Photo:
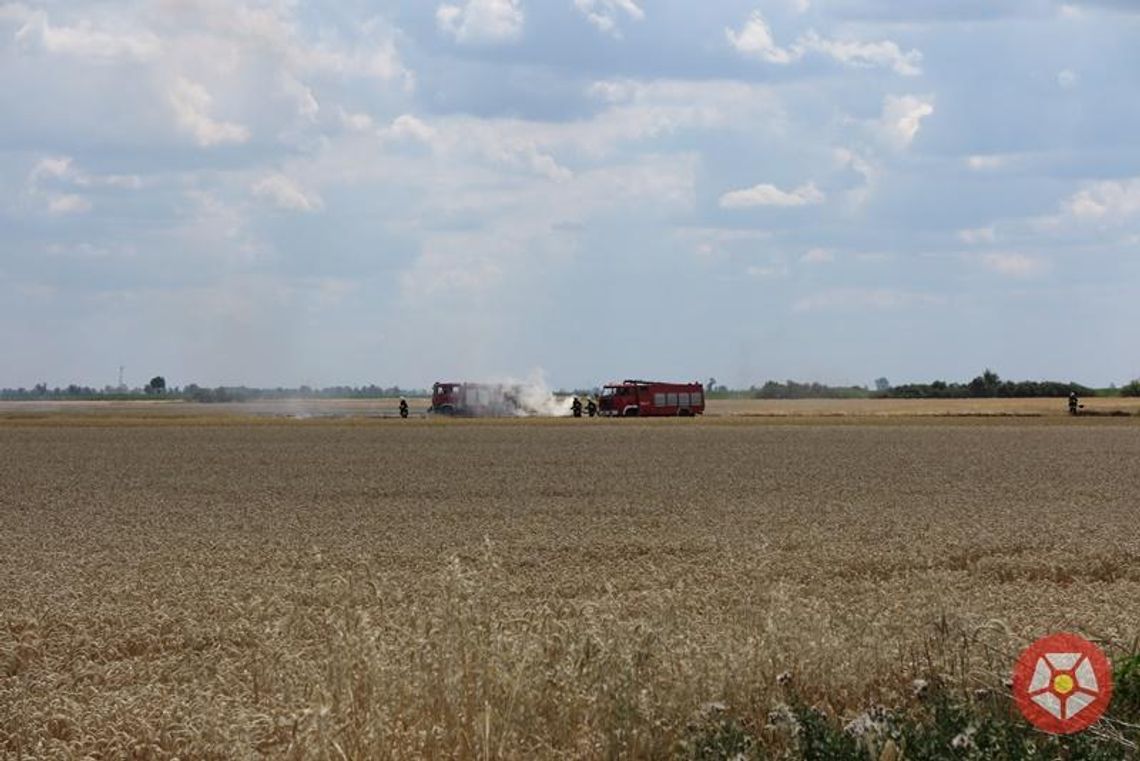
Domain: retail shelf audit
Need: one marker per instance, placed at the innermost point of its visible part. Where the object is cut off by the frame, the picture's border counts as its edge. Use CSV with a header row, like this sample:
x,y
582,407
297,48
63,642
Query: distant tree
x,y
882,384
711,386
986,384
157,385
1131,389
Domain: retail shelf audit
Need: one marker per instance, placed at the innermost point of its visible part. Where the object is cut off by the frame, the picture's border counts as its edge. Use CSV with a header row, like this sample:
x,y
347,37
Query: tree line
x,y
192,392
986,385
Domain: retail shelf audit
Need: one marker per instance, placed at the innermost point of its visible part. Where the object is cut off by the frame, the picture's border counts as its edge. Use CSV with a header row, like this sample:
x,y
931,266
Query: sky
x,y
279,192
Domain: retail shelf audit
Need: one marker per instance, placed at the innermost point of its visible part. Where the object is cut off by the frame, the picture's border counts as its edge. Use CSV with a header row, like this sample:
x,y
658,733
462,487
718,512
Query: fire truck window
x,y
659,400
696,398
672,401
683,398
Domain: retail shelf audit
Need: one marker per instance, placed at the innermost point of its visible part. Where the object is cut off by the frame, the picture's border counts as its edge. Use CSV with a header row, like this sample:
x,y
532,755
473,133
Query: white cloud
x,y
641,110
408,127
634,112
356,122
1108,201
544,164
979,163
53,179
605,14
902,117
767,271
849,159
978,235
770,195
120,181
17,12
799,6
191,104
1012,264
1067,79
239,38
285,193
375,59
755,41
614,90
817,256
854,299
52,166
86,41
63,168
451,271
864,54
302,95
519,217
717,243
524,154
481,21
68,203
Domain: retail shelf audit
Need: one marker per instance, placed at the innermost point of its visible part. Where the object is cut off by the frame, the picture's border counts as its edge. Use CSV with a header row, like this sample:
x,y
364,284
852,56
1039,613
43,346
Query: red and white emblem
x,y
1062,683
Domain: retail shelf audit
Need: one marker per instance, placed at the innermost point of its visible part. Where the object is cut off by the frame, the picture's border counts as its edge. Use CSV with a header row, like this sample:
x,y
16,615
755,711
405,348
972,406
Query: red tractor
x,y
638,398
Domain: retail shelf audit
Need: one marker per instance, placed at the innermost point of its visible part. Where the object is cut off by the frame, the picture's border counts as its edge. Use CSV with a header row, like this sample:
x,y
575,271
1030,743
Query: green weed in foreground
x,y
941,722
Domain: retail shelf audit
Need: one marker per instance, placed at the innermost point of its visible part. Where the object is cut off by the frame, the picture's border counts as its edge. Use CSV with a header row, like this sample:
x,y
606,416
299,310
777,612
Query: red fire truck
x,y
651,398
476,400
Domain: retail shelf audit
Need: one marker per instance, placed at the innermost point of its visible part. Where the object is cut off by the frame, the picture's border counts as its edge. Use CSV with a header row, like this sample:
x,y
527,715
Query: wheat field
x,y
238,587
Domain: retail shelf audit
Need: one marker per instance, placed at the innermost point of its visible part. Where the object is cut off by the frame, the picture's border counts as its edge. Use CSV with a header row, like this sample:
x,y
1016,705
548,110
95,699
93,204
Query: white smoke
x,y
537,400
510,397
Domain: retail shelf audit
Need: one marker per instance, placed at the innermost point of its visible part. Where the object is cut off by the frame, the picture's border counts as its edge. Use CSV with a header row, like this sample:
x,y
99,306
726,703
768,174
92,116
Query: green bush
x,y
1126,689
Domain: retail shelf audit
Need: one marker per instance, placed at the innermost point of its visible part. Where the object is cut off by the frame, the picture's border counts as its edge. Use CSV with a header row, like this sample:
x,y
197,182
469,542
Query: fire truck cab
x,y
445,398
638,398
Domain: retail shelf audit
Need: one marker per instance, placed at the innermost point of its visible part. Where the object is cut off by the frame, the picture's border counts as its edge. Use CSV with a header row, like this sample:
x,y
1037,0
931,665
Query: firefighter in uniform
x,y
576,407
403,407
1073,402
591,407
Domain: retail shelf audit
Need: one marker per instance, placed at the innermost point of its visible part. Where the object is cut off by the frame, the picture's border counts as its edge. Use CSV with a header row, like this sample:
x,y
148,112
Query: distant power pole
x,y
121,386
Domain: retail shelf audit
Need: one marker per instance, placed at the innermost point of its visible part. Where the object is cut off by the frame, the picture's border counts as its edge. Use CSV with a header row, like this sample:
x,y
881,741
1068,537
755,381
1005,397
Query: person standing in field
x,y
1073,402
403,407
576,407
